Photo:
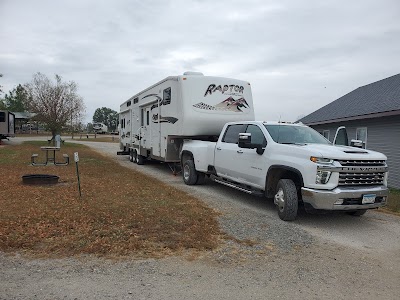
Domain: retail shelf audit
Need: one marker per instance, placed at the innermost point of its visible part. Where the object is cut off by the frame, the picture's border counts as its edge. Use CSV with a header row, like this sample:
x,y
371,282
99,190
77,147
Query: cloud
x,y
298,56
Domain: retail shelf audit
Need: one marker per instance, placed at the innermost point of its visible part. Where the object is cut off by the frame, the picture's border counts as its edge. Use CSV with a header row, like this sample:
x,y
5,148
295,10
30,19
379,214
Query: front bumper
x,y
352,197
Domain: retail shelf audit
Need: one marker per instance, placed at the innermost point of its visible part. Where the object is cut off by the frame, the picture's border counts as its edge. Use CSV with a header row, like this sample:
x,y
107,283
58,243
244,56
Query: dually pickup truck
x,y
291,163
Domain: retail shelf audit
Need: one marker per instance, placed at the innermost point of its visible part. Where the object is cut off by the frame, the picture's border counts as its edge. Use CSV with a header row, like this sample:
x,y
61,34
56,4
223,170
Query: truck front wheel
x,y
286,200
189,172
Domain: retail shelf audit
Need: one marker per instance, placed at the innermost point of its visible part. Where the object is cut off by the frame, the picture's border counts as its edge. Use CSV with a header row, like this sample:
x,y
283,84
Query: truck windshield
x,y
289,134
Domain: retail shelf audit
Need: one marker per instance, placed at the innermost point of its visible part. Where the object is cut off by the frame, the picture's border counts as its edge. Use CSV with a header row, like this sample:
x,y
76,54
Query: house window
x,y
232,134
325,133
2,116
167,96
361,134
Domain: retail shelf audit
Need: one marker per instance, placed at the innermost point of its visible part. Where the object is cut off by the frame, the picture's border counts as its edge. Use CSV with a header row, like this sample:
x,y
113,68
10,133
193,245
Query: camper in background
x,y
7,124
100,128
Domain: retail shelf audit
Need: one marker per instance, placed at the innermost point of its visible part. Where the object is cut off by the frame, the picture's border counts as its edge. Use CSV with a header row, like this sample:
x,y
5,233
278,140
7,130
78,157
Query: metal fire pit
x,y
39,179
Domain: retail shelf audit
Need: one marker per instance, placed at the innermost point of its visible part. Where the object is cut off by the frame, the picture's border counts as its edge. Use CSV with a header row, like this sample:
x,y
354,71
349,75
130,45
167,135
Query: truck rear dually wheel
x,y
189,172
286,200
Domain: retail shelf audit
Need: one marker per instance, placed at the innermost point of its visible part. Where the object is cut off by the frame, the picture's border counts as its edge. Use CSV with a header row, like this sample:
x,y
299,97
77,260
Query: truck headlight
x,y
321,160
322,177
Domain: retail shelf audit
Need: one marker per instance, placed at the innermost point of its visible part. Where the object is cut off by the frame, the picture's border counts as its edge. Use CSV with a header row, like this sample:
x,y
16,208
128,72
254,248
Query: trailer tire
x,y
134,155
140,159
131,158
189,172
286,200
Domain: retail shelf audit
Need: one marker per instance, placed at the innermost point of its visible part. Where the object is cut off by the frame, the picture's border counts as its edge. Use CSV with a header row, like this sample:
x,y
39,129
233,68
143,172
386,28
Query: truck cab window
x,y
232,133
257,136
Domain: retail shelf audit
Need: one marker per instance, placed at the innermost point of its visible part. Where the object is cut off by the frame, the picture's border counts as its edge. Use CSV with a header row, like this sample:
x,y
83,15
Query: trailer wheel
x,y
140,159
286,200
131,158
134,155
189,172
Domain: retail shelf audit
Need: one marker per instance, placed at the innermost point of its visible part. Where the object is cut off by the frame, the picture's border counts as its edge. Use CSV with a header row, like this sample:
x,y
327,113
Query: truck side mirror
x,y
245,141
357,144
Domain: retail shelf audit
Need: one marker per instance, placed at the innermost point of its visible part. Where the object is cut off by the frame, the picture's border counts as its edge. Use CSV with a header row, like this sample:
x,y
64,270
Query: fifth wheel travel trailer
x,y
7,124
155,121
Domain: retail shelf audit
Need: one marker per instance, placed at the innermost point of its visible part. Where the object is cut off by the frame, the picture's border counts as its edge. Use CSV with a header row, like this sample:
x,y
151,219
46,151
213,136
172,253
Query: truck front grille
x,y
361,177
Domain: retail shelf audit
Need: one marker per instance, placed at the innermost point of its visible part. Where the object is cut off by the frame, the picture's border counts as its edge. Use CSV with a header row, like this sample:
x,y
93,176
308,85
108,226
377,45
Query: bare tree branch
x,y
56,104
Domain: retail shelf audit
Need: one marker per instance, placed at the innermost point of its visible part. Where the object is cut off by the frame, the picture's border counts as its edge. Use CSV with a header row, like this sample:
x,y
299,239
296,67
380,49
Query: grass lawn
x,y
121,212
394,201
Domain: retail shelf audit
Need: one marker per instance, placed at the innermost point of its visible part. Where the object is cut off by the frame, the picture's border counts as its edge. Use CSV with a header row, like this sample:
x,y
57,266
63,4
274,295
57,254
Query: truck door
x,y
226,152
252,166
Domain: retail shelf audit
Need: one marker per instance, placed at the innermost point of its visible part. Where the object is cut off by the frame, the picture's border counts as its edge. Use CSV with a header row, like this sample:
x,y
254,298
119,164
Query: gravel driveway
x,y
315,257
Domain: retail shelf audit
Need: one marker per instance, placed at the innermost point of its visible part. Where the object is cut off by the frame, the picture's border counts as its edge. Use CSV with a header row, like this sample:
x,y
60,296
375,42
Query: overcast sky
x,y
297,55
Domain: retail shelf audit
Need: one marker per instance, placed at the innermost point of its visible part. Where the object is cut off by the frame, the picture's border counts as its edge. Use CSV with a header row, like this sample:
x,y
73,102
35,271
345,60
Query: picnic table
x,y
50,157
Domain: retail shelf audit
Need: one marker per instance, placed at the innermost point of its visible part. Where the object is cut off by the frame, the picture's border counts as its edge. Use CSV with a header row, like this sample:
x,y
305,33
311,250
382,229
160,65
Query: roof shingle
x,y
378,97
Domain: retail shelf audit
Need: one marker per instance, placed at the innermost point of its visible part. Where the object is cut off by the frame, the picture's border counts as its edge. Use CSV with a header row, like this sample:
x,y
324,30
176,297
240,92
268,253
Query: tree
x,y
16,99
1,87
106,116
56,104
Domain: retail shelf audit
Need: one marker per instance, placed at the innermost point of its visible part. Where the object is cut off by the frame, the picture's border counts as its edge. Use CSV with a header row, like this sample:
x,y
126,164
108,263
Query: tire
x,y
134,155
357,212
140,159
189,172
131,158
286,200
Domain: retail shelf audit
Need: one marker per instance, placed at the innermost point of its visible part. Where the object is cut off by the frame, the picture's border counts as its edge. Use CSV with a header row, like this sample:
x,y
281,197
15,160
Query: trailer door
x,y
145,141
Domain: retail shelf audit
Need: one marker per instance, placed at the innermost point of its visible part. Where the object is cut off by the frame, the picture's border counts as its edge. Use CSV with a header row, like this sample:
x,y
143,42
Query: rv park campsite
x,y
138,232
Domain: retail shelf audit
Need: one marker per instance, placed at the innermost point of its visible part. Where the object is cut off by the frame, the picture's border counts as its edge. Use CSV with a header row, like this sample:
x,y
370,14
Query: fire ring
x,y
39,179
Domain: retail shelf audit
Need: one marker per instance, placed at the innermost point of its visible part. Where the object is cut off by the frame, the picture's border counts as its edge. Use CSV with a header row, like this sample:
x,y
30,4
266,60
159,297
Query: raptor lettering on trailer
x,y
224,89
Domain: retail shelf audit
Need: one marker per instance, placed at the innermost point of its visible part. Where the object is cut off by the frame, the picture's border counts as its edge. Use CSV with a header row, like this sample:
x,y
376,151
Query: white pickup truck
x,y
291,163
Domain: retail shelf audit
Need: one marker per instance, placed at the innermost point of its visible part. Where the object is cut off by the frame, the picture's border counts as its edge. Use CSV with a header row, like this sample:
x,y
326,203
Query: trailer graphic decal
x,y
229,104
171,120
224,89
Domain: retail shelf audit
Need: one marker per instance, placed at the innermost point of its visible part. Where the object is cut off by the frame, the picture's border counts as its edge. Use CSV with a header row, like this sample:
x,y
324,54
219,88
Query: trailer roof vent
x,y
193,73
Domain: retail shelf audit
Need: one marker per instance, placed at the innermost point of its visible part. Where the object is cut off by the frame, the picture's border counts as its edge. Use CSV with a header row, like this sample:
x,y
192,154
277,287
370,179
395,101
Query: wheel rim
x,y
280,199
186,172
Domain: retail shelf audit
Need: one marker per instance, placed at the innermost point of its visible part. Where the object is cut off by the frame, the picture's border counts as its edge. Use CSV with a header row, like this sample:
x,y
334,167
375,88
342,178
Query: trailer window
x,y
129,103
148,117
232,133
167,96
142,117
2,116
136,100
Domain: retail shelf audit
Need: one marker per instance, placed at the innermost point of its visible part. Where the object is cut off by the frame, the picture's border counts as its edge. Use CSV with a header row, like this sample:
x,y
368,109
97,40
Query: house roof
x,y
376,99
24,115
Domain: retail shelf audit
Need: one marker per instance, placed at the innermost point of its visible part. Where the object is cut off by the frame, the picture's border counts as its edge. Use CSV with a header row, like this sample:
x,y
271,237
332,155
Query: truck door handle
x,y
218,148
239,151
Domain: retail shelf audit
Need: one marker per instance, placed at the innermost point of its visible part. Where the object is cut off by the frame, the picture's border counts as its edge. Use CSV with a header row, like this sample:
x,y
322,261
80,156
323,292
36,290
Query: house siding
x,y
383,135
